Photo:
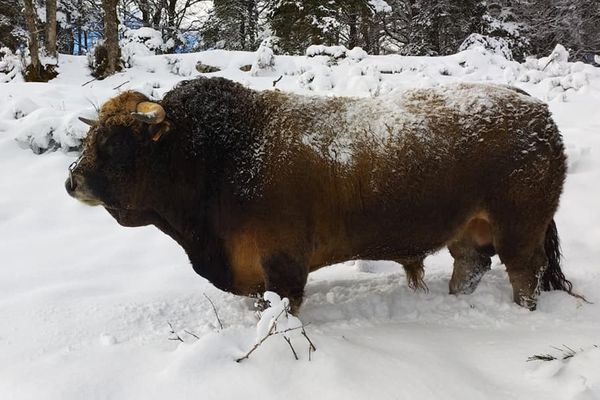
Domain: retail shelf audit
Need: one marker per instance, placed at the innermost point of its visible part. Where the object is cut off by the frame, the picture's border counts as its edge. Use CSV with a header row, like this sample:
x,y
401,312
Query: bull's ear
x,y
159,131
89,122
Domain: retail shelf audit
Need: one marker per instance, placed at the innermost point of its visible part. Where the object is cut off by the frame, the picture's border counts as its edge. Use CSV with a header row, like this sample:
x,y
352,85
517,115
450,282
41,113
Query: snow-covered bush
x,y
495,45
45,130
276,317
380,6
265,58
336,53
322,50
557,74
276,320
10,65
365,81
142,42
318,78
356,54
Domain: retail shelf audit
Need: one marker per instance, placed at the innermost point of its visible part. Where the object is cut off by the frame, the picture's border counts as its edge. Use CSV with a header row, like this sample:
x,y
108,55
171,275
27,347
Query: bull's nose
x,y
71,185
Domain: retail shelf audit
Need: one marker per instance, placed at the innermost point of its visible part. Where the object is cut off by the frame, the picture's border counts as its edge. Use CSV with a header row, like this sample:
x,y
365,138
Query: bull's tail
x,y
553,278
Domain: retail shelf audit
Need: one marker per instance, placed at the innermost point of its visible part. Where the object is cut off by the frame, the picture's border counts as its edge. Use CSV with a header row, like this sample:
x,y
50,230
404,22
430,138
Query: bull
x,y
261,188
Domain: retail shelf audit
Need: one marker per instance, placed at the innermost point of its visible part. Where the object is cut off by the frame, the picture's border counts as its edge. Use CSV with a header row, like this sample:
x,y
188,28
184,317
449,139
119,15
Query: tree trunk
x,y
353,31
33,40
79,40
251,30
111,37
51,27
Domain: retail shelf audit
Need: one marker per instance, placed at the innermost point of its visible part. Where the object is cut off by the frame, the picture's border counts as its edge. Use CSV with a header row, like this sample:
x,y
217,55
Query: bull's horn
x,y
89,122
149,112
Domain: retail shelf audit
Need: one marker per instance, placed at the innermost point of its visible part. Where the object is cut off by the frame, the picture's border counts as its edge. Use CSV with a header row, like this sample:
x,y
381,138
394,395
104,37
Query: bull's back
x,y
398,177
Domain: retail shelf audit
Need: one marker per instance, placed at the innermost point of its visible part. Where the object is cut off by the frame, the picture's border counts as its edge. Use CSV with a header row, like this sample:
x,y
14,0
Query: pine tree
x,y
233,25
13,32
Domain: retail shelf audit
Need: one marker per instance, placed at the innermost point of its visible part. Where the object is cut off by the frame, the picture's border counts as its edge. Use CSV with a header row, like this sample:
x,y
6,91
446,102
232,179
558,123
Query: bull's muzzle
x,y
77,188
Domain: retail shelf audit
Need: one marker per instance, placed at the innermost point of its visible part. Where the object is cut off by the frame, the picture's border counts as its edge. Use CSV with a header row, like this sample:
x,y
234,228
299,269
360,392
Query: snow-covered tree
x,y
13,32
232,24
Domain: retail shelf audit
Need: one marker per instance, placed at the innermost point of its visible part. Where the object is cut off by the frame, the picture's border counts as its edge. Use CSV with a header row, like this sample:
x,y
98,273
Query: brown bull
x,y
261,188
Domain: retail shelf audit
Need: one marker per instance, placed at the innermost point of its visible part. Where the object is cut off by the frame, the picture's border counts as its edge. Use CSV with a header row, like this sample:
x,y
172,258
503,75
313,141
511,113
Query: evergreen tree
x,y
13,33
232,24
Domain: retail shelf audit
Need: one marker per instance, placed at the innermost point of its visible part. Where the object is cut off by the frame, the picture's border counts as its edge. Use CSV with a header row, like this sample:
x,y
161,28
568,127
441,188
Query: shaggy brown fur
x,y
260,188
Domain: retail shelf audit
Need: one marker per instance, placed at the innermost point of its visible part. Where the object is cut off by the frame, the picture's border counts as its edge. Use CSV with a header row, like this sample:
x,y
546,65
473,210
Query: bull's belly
x,y
403,243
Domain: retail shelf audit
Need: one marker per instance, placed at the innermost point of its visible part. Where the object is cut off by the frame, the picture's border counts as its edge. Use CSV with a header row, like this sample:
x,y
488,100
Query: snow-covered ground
x,y
85,304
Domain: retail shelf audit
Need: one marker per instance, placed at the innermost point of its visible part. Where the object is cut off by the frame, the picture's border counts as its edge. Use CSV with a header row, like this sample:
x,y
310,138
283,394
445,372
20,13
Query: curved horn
x,y
89,122
149,112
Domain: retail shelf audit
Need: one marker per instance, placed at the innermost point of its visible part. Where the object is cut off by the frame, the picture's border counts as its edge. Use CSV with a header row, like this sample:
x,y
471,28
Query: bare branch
x,y
95,79
191,334
289,342
272,332
172,332
311,345
115,88
215,311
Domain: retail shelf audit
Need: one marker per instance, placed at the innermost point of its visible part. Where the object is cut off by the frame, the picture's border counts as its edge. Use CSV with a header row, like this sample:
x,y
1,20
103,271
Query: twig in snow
x,y
95,79
566,351
311,345
115,88
192,334
272,332
276,81
215,310
172,332
289,342
553,56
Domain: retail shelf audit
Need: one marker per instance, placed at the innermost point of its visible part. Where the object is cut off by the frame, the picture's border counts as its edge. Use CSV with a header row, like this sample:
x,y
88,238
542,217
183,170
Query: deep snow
x,y
85,304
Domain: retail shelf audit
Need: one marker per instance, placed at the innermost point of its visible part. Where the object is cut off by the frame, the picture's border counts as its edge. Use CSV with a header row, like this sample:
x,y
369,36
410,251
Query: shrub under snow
x,y
142,42
496,45
265,58
10,66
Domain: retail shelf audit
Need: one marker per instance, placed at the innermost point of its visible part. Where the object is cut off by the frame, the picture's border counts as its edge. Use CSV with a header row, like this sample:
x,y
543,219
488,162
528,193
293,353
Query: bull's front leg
x,y
286,275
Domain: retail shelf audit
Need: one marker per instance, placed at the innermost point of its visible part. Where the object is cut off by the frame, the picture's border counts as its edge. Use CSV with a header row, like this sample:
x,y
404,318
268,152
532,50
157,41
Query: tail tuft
x,y
553,278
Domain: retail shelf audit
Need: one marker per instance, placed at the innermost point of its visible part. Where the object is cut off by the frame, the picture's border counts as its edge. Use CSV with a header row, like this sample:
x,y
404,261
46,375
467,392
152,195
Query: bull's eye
x,y
117,148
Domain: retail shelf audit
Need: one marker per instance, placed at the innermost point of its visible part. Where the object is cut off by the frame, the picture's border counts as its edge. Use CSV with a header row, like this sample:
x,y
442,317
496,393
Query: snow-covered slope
x,y
85,304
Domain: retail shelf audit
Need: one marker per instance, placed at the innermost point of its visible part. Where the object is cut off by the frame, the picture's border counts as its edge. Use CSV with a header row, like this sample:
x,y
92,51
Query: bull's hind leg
x,y
521,249
525,269
471,262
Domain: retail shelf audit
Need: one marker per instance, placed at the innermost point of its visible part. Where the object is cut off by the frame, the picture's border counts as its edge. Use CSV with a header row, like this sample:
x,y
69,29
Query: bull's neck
x,y
188,221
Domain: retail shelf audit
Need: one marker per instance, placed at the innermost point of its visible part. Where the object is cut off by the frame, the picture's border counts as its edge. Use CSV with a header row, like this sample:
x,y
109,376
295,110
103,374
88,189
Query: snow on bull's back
x,y
475,99
335,125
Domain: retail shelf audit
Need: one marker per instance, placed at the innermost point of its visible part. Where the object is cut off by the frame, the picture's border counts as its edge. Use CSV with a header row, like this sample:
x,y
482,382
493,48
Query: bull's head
x,y
115,169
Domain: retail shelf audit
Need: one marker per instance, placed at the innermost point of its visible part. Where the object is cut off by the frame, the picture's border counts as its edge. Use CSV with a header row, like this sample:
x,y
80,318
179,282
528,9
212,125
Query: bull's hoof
x,y
467,287
467,284
528,302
